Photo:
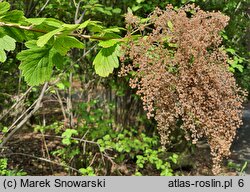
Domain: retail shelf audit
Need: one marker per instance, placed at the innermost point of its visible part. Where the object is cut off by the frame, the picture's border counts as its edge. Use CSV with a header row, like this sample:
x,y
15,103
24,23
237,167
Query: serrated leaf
x,y
14,16
7,43
108,43
4,7
64,43
84,24
2,56
106,60
45,24
94,26
42,40
36,65
18,34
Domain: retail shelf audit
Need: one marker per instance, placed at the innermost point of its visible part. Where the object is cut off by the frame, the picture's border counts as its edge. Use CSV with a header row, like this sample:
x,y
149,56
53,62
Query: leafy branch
x,y
30,28
48,41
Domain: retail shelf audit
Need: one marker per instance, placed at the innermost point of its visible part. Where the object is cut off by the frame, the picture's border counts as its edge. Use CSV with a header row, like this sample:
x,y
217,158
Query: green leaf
x,y
4,7
230,50
7,43
5,130
42,40
106,60
64,43
84,24
69,132
14,16
36,65
60,86
18,34
70,27
53,22
49,24
36,21
170,25
31,44
95,26
66,141
58,60
136,8
108,43
140,1
129,10
67,136
116,10
113,29
2,56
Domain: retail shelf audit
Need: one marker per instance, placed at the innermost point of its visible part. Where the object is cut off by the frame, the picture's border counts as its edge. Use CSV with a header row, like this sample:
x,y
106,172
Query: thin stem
x,y
47,2
61,104
15,104
19,126
43,159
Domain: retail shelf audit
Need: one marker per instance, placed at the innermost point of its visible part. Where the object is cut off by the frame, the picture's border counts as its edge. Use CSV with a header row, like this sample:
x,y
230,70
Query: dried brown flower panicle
x,y
181,73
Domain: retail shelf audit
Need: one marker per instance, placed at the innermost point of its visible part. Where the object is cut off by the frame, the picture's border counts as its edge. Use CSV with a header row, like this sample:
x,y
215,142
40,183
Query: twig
x,y
79,20
69,99
43,7
19,82
77,139
43,159
61,104
82,140
75,4
37,106
85,54
15,104
21,116
93,160
45,144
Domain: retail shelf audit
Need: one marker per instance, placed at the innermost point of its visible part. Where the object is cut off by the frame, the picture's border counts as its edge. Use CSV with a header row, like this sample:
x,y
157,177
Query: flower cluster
x,y
181,73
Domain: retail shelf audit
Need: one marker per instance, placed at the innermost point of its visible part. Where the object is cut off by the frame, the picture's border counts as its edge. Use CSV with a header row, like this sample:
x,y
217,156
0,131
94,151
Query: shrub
x,y
181,73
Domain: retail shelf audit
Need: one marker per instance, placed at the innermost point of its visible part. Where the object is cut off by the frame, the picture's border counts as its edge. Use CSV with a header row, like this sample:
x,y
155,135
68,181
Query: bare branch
x,y
61,104
43,159
15,104
37,106
79,20
43,7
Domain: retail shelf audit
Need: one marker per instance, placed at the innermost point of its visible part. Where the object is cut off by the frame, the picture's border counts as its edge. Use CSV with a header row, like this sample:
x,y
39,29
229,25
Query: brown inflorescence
x,y
181,73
